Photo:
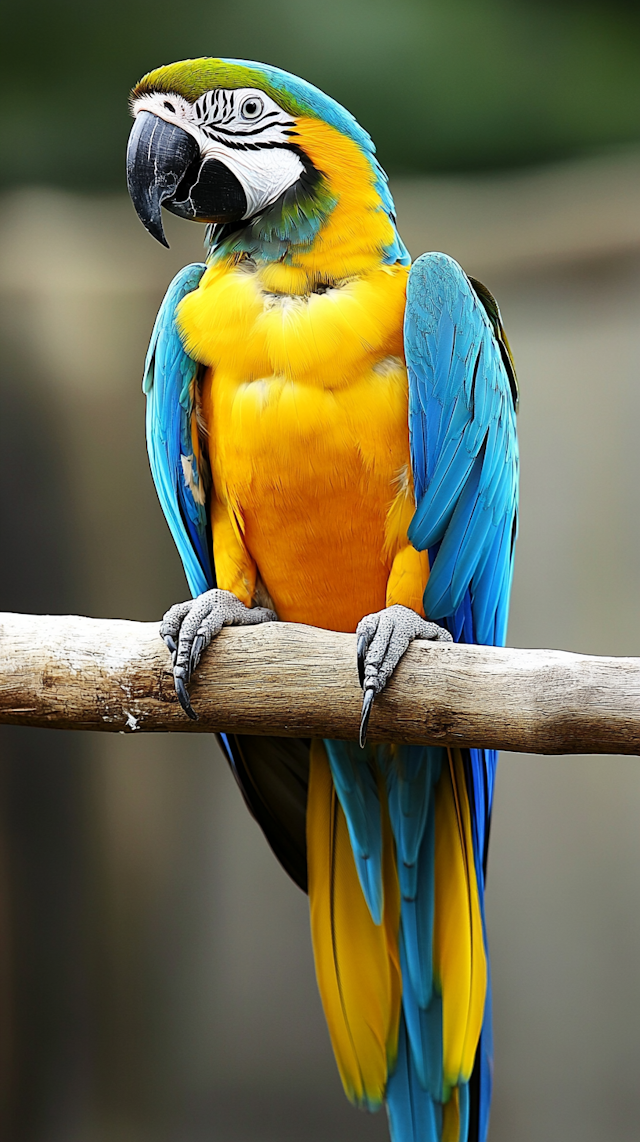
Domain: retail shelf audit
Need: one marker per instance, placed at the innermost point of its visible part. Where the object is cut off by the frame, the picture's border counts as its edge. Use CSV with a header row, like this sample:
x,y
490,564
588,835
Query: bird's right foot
x,y
188,628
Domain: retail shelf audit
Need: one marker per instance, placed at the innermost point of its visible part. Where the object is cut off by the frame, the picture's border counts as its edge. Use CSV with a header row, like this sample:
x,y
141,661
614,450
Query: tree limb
x,y
69,672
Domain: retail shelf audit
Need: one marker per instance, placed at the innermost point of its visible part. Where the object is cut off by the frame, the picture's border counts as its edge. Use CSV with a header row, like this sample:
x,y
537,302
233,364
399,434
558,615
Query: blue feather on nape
x,y
354,776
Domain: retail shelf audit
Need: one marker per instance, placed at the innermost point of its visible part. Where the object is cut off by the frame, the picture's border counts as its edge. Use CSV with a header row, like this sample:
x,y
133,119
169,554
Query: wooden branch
x,y
97,674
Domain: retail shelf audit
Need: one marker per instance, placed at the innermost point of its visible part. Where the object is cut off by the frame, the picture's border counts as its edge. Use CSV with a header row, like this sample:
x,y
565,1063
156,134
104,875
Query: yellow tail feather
x,y
451,1118
357,963
459,954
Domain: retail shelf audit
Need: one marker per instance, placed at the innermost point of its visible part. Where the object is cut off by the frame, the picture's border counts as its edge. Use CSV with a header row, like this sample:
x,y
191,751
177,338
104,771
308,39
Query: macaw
x,y
331,432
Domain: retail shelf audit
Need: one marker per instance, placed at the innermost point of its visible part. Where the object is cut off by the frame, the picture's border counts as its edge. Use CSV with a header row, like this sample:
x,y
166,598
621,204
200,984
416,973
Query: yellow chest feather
x,y
305,403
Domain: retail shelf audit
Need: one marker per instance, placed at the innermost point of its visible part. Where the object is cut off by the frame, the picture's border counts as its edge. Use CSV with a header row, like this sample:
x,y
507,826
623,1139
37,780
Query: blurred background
x,y
156,980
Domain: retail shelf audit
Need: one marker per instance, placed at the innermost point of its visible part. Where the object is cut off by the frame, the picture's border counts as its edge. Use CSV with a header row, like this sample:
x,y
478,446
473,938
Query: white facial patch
x,y
244,129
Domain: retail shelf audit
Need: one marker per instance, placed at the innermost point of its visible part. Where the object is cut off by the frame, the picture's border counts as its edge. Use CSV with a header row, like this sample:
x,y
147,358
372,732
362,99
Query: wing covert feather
x,y
464,451
169,383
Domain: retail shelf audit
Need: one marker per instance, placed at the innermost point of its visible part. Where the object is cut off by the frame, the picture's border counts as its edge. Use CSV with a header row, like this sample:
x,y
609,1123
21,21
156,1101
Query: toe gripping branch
x,y
188,628
182,675
369,692
383,638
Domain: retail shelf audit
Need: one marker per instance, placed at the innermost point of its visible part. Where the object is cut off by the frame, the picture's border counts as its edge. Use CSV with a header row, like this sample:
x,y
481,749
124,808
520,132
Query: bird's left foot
x,y
383,637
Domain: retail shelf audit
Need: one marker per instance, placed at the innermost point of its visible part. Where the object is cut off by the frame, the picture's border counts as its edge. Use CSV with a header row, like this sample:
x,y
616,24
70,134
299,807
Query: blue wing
x,y
464,457
464,451
169,384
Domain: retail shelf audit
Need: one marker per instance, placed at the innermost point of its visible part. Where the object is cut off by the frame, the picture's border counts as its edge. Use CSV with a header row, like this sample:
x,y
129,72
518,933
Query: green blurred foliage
x,y
440,84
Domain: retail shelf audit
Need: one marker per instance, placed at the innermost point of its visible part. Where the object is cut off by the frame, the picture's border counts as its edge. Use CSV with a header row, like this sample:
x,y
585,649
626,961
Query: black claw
x,y
184,699
367,703
197,647
361,653
169,643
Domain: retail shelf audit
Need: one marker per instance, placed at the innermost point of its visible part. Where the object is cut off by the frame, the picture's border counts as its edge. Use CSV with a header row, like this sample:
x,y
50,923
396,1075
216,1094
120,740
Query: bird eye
x,y
252,108
169,106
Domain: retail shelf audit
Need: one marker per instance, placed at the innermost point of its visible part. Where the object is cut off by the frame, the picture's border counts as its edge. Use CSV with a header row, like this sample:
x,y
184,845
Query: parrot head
x,y
260,155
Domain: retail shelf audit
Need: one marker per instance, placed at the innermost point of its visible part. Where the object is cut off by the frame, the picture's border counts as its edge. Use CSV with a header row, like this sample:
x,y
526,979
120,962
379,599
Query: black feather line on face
x,y
302,194
233,145
257,131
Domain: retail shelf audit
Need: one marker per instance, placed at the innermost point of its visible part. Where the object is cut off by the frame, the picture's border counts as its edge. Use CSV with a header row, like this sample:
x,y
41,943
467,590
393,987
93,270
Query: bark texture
x,y
69,672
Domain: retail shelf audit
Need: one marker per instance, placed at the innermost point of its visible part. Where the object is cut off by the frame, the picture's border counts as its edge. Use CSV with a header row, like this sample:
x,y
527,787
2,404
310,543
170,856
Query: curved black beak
x,y
158,155
165,167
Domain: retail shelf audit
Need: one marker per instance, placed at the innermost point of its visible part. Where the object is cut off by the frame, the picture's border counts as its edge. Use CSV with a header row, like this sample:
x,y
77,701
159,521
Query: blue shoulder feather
x,y
169,383
464,451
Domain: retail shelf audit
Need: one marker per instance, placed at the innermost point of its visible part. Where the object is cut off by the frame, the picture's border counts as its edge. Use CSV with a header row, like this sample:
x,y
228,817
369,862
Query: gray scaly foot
x,y
383,638
188,628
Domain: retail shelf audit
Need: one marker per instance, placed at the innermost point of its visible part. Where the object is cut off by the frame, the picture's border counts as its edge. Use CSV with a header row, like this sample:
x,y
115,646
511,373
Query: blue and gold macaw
x,y
331,432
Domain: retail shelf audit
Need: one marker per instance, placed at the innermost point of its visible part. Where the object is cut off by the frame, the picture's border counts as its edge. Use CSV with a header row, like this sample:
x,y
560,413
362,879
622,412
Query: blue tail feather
x,y
484,1058
410,778
355,781
416,1089
417,919
424,1031
413,1115
463,1109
